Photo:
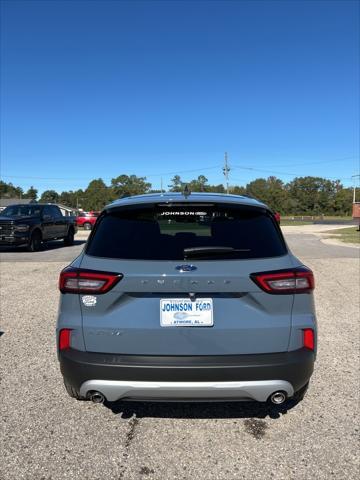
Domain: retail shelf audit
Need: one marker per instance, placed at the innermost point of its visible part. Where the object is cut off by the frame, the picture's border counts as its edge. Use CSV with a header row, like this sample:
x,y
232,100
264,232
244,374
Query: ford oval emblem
x,y
186,268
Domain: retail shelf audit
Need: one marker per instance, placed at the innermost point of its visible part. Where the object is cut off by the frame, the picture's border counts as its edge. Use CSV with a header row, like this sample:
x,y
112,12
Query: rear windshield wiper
x,y
193,252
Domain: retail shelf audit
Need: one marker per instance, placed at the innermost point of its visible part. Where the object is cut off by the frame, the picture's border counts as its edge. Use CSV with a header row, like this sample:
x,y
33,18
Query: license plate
x,y
182,312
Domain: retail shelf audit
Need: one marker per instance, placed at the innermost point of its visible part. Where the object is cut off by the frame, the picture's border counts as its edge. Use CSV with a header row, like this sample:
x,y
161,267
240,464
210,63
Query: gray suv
x,y
186,297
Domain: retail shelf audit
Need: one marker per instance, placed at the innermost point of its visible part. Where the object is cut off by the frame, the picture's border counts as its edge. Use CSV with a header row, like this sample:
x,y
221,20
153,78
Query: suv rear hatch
x,y
186,286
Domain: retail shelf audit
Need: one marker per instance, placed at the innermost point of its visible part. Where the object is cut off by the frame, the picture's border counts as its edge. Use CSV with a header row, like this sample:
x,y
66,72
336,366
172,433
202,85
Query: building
x,y
67,211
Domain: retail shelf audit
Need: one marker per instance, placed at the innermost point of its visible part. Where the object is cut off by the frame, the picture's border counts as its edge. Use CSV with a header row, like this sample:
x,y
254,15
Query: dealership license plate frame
x,y
201,313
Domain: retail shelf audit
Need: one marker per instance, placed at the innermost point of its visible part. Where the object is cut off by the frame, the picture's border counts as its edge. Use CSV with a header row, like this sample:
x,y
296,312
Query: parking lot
x,y
48,435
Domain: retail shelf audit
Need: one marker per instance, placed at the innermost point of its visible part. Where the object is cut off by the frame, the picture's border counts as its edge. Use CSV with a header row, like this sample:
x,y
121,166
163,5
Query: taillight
x,y
79,280
298,280
309,338
64,338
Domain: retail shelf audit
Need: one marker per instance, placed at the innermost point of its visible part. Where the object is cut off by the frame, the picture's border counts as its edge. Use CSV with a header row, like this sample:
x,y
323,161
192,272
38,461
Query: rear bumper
x,y
187,377
256,390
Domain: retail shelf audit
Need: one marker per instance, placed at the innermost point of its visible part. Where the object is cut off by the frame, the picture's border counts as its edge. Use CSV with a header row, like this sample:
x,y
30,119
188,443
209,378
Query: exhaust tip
x,y
278,398
96,397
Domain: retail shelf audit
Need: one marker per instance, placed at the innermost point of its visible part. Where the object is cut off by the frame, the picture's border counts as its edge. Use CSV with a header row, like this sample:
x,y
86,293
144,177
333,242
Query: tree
x,y
270,191
31,193
303,195
126,186
8,190
96,195
343,201
176,184
312,195
198,185
258,189
235,190
217,188
277,195
49,196
71,198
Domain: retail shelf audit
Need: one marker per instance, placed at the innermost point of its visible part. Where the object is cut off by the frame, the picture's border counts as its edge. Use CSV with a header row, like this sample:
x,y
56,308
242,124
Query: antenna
x,y
226,170
186,192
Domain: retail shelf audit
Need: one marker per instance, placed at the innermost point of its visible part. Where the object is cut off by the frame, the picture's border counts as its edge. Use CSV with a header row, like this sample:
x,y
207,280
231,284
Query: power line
x,y
88,178
285,173
315,163
226,170
182,171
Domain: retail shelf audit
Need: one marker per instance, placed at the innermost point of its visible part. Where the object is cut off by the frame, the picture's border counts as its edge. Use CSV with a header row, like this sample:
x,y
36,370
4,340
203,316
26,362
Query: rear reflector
x,y
298,280
78,280
64,338
309,338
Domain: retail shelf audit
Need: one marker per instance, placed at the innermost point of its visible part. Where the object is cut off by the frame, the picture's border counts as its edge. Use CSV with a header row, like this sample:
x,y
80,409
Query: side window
x,y
55,212
47,211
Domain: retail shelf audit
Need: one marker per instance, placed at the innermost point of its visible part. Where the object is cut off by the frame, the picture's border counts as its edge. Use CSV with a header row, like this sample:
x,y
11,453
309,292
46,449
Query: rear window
x,y
21,210
187,232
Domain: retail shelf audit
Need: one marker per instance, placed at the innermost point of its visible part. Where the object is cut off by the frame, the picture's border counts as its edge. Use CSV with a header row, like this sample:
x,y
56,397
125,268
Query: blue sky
x,y
99,88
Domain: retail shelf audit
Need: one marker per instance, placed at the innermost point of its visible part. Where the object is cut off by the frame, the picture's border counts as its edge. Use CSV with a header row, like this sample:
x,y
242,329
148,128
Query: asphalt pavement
x,y
47,435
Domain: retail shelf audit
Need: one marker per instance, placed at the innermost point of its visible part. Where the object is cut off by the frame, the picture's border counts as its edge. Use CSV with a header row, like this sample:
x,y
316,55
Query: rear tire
x,y
87,226
69,239
72,392
35,241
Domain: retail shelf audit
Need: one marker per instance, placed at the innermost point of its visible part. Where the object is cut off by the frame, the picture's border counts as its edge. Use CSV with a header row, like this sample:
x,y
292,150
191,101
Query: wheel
x,y
72,392
69,239
34,244
87,226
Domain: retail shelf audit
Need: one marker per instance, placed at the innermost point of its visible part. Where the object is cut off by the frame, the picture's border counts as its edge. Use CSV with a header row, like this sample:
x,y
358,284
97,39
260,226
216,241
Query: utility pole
x,y
226,170
161,185
354,193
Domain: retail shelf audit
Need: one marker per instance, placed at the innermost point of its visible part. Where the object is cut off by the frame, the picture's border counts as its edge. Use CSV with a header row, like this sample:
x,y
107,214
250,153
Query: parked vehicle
x,y
164,305
87,219
33,224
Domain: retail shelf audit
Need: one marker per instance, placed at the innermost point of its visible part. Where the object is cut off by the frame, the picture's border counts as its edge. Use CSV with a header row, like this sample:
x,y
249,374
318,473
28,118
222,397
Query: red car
x,y
87,219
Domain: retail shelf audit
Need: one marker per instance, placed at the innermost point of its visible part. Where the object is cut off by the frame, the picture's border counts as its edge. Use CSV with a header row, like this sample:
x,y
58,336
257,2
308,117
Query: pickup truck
x,y
33,224
87,219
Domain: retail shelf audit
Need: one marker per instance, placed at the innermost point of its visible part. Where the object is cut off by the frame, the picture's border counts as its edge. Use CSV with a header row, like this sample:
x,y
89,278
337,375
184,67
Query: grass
x,y
347,235
311,218
295,223
333,217
287,220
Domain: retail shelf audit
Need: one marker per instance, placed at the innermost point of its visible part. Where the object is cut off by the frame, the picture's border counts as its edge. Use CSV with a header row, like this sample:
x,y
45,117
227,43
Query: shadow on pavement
x,y
203,410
